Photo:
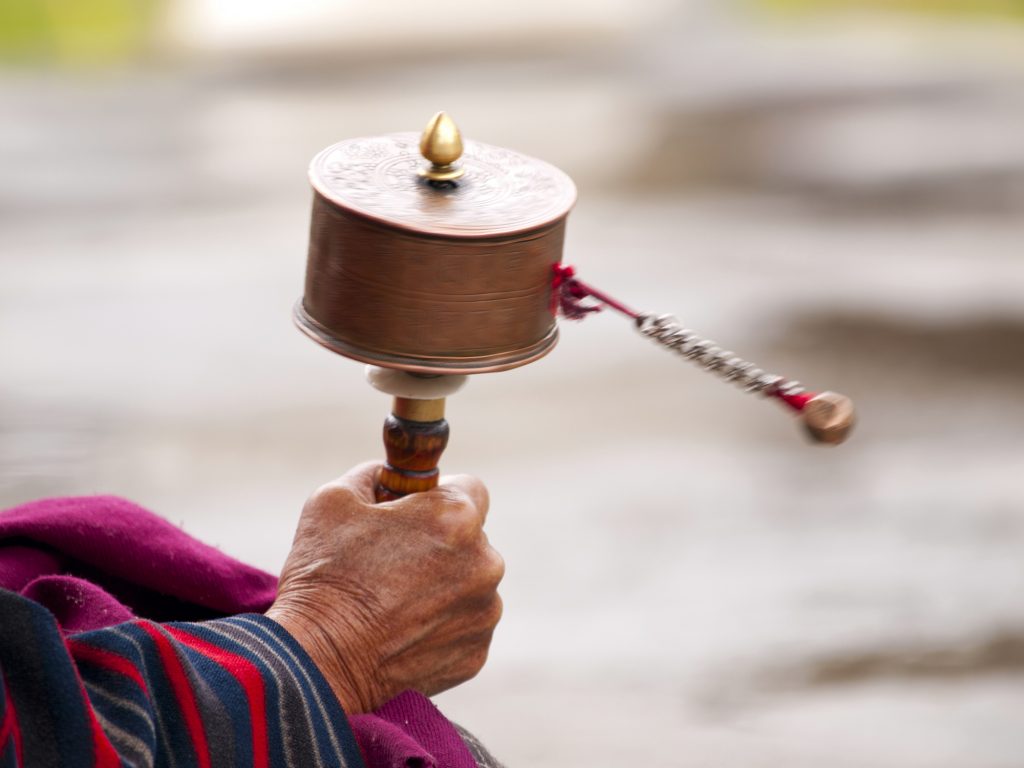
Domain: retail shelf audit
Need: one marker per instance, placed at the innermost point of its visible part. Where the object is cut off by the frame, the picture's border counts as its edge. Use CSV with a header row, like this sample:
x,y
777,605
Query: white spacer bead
x,y
397,383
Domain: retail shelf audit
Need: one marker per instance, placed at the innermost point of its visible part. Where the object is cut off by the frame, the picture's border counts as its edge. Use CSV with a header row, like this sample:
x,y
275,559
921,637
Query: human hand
x,y
392,596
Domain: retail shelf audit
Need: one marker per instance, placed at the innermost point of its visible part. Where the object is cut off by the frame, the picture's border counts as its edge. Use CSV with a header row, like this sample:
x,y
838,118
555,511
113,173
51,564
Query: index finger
x,y
361,480
471,486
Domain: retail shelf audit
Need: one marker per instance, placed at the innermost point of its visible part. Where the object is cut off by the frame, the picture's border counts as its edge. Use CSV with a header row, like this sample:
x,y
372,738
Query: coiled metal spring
x,y
670,333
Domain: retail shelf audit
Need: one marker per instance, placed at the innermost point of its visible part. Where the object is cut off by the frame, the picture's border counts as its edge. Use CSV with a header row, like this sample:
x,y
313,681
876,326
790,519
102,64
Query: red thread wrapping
x,y
796,402
568,292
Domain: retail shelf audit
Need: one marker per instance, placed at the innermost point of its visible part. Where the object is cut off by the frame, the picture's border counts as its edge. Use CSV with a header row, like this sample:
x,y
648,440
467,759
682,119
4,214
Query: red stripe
x,y
103,751
106,755
248,676
182,692
9,728
108,660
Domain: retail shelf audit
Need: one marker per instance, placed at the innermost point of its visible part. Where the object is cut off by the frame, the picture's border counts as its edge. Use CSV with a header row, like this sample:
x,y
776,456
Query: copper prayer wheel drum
x,y
433,266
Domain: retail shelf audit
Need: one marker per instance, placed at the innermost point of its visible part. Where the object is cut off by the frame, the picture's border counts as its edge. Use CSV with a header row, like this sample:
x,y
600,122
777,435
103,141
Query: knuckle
x,y
451,495
476,489
461,500
340,495
492,568
476,659
461,521
493,612
484,497
331,499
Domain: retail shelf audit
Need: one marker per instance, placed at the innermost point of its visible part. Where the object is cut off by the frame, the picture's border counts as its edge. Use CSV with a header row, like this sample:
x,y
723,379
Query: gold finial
x,y
829,417
441,144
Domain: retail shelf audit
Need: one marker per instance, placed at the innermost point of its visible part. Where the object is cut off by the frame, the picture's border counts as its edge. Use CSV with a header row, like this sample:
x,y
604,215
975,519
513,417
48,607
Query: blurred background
x,y
832,189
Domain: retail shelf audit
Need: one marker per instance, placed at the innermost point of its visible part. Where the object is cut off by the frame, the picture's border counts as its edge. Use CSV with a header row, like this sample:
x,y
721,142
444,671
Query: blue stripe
x,y
338,725
177,744
232,695
319,726
275,739
163,757
66,703
139,724
8,757
122,689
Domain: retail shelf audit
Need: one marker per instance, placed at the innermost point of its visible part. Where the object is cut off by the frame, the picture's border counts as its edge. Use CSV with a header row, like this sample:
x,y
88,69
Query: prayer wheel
x,y
430,259
433,263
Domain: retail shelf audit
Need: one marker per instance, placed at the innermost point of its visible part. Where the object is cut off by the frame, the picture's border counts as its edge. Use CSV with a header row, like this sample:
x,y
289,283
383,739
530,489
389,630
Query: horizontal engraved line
x,y
391,289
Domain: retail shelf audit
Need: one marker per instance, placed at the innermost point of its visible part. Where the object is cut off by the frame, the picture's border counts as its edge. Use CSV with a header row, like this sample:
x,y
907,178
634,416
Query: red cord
x,y
568,292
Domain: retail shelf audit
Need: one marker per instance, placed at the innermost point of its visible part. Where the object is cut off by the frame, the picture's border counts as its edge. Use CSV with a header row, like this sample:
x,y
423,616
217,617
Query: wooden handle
x,y
415,436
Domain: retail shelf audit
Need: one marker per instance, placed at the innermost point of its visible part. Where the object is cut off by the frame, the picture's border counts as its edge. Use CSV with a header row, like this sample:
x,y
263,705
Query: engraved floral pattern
x,y
501,191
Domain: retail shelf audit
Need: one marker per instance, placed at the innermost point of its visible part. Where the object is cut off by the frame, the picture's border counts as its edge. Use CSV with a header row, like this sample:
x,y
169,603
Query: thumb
x,y
361,480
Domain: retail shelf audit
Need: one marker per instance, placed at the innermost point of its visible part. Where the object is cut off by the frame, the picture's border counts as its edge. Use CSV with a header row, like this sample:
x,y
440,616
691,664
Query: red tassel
x,y
567,294
797,402
568,291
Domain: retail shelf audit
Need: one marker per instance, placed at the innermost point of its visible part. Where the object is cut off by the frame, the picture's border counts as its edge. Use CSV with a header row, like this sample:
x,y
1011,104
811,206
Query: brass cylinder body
x,y
433,277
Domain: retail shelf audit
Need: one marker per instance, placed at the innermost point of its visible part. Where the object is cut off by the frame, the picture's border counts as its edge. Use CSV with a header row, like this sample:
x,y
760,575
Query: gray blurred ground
x,y
689,583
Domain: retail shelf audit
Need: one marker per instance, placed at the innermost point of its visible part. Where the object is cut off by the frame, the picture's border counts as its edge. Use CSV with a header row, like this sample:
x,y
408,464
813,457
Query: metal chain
x,y
670,333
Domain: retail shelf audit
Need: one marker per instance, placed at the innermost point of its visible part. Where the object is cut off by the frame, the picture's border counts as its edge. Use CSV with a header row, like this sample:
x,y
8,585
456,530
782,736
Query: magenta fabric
x,y
99,560
96,561
391,735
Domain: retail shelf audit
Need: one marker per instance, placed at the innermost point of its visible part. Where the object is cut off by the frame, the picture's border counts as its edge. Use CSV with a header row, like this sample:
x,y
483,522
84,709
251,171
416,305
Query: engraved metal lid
x,y
470,189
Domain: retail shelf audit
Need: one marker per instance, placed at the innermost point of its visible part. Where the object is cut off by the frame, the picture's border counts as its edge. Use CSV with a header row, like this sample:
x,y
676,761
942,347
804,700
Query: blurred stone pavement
x,y
689,582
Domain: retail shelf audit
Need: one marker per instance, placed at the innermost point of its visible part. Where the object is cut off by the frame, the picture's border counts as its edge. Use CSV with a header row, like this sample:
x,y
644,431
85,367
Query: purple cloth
x,y
391,735
96,561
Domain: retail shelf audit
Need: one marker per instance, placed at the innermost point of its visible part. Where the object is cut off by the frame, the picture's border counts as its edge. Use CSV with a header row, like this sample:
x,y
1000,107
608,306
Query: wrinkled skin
x,y
393,596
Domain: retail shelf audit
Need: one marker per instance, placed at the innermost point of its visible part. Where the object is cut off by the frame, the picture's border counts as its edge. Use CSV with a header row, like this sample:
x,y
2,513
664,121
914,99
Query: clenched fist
x,y
393,596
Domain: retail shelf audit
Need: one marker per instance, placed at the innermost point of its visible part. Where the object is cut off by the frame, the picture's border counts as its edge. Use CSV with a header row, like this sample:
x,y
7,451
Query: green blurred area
x,y
75,31
980,8
84,32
